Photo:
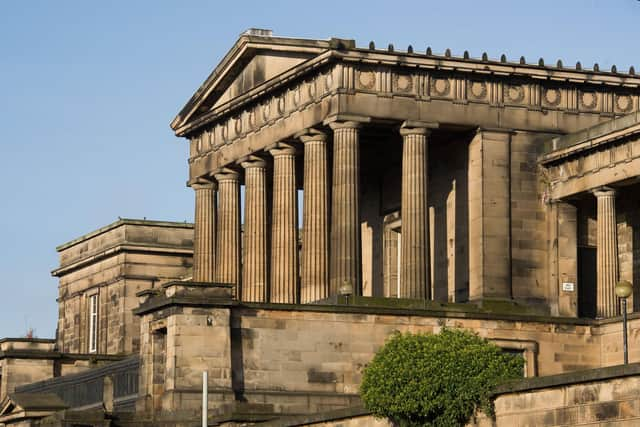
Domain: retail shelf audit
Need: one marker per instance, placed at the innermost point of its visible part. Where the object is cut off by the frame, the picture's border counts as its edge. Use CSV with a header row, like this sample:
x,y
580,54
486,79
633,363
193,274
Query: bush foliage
x,y
435,380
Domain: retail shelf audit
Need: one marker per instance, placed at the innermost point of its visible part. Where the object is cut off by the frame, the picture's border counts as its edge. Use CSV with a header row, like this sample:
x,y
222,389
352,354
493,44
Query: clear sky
x,y
88,88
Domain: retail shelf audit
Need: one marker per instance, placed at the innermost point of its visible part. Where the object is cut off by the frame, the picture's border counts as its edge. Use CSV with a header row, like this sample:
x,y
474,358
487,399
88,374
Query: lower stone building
x,y
435,191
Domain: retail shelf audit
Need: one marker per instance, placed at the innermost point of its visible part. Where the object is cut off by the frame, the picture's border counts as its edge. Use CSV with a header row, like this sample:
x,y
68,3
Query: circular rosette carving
x,y
281,104
624,103
207,136
552,96
311,89
440,87
224,131
403,83
514,93
266,111
328,80
252,118
367,79
237,125
295,96
589,100
477,89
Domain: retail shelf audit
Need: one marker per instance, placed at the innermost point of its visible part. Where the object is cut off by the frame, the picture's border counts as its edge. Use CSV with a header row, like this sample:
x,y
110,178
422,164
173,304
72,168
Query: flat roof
x,y
121,222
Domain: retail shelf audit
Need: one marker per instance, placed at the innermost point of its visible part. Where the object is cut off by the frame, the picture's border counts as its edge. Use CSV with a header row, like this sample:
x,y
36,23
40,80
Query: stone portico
x,y
418,175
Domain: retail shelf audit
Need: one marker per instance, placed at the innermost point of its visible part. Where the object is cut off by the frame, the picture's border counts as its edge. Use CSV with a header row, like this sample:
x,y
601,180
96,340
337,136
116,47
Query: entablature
x,y
600,156
391,86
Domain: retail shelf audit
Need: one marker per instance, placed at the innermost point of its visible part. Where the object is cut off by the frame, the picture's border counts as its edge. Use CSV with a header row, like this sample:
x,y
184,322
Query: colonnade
x,y
268,269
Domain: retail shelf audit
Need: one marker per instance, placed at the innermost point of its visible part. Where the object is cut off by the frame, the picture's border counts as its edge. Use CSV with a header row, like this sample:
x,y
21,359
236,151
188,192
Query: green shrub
x,y
435,380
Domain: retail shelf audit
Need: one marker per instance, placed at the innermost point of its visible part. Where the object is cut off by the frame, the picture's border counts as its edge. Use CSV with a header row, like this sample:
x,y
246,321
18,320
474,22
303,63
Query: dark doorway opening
x,y
587,281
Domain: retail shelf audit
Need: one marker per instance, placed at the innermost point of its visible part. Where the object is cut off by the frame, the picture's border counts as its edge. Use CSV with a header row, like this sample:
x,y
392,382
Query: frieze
x,y
263,113
424,85
594,160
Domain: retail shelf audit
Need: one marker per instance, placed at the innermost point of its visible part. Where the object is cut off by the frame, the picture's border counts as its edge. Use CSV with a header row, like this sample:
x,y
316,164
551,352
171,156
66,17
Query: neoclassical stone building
x,y
342,194
418,176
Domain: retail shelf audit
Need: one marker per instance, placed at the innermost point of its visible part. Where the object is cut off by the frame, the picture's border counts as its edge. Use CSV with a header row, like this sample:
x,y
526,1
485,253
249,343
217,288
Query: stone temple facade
x,y
343,193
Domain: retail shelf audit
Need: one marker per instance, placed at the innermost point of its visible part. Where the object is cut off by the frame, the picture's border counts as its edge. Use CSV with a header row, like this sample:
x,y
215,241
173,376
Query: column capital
x,y
345,119
405,131
202,182
253,162
226,174
311,135
282,149
604,192
413,127
345,125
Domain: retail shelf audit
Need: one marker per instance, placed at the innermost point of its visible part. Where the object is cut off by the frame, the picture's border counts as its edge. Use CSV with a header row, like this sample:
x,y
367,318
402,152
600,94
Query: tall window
x,y
93,323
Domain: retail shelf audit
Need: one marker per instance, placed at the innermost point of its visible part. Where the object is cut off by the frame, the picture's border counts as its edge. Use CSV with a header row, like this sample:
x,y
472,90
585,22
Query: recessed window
x,y
93,323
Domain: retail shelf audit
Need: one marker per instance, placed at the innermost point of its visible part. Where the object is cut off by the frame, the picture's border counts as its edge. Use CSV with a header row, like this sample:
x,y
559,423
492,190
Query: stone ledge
x,y
561,143
118,223
570,378
297,420
110,251
118,365
395,308
444,310
28,340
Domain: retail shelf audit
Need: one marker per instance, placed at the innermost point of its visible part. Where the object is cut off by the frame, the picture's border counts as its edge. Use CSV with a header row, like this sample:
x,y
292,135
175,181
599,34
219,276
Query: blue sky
x,y
87,91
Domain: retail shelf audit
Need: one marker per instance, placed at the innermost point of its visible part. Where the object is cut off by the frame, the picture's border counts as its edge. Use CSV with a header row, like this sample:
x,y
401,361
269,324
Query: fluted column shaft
x,y
315,216
345,213
284,231
204,233
228,244
415,249
254,267
607,253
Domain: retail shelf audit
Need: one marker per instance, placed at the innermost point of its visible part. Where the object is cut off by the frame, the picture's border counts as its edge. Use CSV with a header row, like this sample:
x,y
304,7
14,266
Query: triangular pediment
x,y
252,61
261,68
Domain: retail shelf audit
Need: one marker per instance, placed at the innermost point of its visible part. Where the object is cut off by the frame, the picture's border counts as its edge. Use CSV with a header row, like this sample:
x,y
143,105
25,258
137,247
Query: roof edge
x,y
121,222
236,50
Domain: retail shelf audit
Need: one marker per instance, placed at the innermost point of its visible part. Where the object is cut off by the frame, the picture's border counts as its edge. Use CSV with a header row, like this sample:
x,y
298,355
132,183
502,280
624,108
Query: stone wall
x,y
607,396
307,359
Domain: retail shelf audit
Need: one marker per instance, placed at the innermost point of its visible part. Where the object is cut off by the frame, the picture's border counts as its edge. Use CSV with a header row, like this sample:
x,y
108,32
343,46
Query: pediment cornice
x,y
239,56
462,79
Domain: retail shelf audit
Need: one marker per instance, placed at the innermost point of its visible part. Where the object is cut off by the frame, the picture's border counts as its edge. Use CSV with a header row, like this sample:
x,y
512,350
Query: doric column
x,y
315,217
204,249
414,229
284,231
254,268
607,253
228,244
345,213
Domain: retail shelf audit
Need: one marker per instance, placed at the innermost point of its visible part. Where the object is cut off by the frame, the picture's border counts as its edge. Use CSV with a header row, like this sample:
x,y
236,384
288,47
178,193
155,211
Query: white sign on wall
x,y
568,286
